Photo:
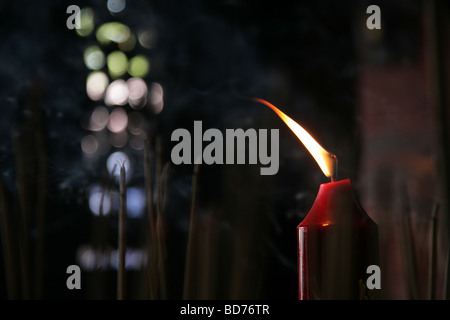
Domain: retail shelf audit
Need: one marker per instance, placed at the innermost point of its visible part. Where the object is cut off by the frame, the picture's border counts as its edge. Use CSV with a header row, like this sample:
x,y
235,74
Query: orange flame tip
x,y
326,161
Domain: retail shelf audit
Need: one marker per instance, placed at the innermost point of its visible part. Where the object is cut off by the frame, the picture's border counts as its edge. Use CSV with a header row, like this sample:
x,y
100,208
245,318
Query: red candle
x,y
337,241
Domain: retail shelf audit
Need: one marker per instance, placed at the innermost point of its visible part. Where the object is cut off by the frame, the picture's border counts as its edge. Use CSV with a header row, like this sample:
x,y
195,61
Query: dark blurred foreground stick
x,y
152,238
121,275
435,19
7,247
191,253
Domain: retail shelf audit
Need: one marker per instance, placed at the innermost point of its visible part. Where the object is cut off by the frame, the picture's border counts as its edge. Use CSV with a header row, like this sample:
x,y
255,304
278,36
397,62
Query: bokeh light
x,y
96,83
129,44
117,63
118,120
94,58
86,21
99,119
89,144
135,122
119,139
135,259
137,140
87,258
99,201
147,38
138,66
115,161
116,6
92,259
112,32
135,202
156,97
117,93
137,93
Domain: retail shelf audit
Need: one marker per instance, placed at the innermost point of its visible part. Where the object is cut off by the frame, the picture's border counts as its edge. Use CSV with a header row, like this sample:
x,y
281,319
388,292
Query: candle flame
x,y
326,161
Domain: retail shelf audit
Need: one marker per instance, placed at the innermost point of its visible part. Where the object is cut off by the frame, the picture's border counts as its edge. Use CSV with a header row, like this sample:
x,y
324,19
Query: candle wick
x,y
334,173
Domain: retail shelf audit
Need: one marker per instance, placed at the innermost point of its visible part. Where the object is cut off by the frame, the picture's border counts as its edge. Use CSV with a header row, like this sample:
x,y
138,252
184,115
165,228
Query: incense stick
x,y
409,248
148,185
152,256
191,237
433,252
207,265
160,232
121,289
10,275
437,85
23,216
40,214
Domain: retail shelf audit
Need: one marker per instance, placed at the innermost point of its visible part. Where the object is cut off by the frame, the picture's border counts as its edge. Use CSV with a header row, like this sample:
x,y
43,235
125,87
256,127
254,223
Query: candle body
x,y
337,242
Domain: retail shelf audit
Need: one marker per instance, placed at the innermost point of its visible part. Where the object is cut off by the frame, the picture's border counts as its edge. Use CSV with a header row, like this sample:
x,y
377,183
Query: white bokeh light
x,y
157,97
99,119
117,93
118,120
137,93
115,161
96,84
96,196
135,202
116,6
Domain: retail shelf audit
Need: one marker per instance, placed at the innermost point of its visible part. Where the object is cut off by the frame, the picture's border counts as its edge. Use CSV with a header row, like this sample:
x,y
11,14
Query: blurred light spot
x,y
86,257
137,140
112,31
94,58
135,202
156,97
117,93
115,162
135,259
116,6
87,22
103,141
137,93
139,66
119,140
95,201
135,122
118,120
117,63
99,119
89,144
91,259
147,38
129,44
96,83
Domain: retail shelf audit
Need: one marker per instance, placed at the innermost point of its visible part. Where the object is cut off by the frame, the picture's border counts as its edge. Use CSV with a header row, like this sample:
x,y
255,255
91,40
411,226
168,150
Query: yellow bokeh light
x,y
129,44
87,22
117,63
113,32
139,66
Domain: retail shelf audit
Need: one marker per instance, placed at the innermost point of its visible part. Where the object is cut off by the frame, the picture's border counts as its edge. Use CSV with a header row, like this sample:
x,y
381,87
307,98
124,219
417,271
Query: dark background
x,y
315,60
